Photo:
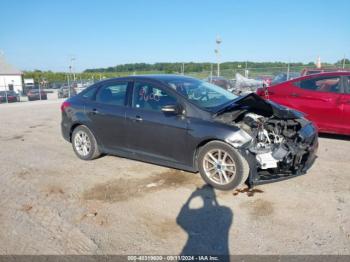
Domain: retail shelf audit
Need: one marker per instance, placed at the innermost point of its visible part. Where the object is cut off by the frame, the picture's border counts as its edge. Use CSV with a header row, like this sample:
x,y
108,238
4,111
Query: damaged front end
x,y
278,143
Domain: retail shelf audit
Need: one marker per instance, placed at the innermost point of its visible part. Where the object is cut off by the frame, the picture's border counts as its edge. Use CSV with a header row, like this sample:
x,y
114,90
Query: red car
x,y
8,96
324,98
310,71
34,94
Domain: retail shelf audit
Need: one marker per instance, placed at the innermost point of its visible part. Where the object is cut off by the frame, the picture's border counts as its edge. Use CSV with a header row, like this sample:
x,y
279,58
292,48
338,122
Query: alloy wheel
x,y
219,166
82,143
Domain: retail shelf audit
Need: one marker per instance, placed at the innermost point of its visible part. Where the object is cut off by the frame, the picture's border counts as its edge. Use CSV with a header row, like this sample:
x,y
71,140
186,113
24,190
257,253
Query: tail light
x,y
65,105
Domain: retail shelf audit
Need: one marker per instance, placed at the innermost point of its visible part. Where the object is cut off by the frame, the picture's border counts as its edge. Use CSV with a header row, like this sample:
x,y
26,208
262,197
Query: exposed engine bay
x,y
279,144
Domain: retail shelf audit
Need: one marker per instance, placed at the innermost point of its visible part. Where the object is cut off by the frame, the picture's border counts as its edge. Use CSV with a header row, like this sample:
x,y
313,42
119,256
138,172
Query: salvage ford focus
x,y
185,123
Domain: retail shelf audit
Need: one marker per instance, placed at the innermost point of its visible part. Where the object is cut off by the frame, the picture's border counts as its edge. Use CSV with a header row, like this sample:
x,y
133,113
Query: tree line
x,y
191,68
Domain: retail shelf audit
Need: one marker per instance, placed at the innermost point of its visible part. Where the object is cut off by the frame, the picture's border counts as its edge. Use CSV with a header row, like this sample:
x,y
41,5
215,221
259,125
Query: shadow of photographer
x,y
207,227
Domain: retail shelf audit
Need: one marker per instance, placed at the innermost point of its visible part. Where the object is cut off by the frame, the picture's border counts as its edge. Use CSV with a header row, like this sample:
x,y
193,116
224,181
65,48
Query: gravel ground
x,y
53,203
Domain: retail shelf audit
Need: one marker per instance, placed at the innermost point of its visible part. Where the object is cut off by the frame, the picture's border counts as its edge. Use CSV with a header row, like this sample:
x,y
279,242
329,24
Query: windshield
x,y
203,94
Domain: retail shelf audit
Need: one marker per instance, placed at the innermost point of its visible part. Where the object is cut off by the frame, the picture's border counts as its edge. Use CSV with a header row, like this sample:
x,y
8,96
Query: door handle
x,y
137,119
346,101
95,111
295,95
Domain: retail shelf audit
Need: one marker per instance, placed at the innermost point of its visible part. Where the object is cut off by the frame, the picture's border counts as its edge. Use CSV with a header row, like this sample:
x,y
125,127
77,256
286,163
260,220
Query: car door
x,y
318,97
151,133
278,93
107,114
345,103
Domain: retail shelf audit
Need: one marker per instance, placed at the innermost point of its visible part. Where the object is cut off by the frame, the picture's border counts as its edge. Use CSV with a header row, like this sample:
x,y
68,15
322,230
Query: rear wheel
x,y
84,143
221,166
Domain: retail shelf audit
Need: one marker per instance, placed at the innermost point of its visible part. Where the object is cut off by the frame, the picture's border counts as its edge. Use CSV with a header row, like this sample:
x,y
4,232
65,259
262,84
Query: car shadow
x,y
334,136
207,227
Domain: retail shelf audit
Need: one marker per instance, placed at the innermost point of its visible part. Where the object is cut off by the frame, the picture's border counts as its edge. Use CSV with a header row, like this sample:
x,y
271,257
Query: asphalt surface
x,y
53,203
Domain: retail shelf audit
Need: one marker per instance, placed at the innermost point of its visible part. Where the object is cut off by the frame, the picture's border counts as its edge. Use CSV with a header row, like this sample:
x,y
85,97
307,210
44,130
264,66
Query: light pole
x,y
72,68
5,91
39,90
217,52
70,72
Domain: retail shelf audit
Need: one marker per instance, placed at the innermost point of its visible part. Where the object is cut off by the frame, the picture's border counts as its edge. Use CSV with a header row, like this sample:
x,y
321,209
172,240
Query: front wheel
x,y
221,166
84,143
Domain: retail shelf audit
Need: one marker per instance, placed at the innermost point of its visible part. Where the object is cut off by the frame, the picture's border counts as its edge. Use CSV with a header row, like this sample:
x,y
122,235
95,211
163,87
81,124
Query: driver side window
x,y
322,84
149,97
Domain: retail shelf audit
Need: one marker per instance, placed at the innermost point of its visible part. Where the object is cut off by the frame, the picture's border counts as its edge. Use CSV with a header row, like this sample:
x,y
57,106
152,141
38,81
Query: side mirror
x,y
173,109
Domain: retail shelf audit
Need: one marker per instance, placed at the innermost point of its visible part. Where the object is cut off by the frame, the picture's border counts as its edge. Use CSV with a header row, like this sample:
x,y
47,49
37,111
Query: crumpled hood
x,y
254,103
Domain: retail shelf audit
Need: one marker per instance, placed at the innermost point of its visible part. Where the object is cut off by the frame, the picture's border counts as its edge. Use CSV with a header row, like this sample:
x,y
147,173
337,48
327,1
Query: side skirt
x,y
148,159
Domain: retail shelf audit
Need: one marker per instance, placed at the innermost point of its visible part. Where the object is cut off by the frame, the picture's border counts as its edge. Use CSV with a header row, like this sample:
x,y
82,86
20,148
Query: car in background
x,y
311,71
324,98
63,92
267,80
34,94
220,81
189,124
282,77
9,96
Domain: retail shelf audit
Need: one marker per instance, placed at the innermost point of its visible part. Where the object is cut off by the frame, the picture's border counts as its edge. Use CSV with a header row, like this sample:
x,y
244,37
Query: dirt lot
x,y
53,203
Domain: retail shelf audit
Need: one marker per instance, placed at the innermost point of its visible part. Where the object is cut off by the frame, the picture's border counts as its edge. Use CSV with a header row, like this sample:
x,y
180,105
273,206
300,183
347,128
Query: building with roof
x,y
10,77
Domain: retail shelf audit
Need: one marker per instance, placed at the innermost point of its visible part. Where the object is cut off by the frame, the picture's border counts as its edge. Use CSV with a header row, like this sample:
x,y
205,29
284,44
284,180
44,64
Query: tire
x,y
86,148
231,163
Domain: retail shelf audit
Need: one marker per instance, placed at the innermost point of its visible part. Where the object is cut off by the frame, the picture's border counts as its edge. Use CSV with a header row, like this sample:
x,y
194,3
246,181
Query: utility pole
x,y
72,67
39,90
183,69
70,71
5,91
288,70
211,73
344,62
217,52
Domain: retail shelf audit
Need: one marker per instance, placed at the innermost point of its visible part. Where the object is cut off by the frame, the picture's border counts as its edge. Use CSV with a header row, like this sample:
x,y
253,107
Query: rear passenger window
x,y
112,94
89,93
322,84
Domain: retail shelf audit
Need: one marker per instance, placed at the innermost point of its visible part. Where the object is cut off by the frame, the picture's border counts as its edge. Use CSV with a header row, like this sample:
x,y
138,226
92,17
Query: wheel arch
x,y
74,126
198,148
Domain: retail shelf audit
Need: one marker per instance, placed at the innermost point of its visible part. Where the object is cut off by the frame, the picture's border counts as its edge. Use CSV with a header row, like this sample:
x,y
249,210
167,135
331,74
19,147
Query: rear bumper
x,y
65,131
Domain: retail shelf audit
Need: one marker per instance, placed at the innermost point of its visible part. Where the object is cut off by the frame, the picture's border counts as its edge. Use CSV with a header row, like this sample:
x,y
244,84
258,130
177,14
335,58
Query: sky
x,y
44,35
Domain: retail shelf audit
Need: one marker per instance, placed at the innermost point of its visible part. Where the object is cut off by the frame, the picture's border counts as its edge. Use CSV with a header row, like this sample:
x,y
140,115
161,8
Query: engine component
x,y
266,160
280,153
239,138
272,139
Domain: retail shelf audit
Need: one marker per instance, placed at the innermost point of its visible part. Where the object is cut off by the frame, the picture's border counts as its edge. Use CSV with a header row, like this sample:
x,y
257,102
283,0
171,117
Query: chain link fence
x,y
259,72
60,90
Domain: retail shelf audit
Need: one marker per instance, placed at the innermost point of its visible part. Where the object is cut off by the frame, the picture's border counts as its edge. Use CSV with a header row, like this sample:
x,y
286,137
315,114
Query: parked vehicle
x,y
63,92
267,80
34,94
245,85
189,124
311,71
220,81
12,96
282,77
324,98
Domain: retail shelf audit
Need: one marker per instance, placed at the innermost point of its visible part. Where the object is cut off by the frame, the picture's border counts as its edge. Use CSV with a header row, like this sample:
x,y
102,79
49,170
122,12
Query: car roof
x,y
157,77
337,73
